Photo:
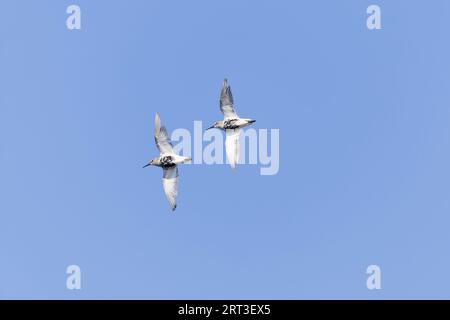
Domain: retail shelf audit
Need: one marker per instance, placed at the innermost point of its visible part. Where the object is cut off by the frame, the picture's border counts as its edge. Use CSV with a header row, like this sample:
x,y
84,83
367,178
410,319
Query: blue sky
x,y
364,150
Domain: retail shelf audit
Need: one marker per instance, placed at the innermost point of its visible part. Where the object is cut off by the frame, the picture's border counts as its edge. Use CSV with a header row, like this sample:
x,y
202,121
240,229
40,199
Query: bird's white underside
x,y
232,146
170,185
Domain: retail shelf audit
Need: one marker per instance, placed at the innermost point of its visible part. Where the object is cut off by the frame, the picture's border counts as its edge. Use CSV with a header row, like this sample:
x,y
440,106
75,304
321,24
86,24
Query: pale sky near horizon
x,y
364,120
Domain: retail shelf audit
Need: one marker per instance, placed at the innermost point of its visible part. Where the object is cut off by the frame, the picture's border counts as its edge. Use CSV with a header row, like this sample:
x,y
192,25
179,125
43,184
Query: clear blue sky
x,y
364,119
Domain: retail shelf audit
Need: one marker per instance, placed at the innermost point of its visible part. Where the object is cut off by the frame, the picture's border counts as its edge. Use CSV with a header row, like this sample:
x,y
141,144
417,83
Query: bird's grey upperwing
x,y
170,185
226,101
162,139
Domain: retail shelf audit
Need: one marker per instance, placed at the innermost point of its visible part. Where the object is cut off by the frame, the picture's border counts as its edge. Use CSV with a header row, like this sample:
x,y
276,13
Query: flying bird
x,y
168,161
230,124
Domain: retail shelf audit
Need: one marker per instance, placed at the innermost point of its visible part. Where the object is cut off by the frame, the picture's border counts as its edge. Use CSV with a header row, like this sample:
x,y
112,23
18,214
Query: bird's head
x,y
150,163
217,124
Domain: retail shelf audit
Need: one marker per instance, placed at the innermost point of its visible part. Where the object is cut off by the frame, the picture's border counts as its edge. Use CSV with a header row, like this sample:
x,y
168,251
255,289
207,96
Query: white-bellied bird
x,y
230,124
168,161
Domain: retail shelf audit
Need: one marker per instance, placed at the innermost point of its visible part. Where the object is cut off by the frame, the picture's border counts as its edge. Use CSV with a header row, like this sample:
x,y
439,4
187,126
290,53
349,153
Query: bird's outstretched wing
x,y
232,147
170,185
226,101
162,139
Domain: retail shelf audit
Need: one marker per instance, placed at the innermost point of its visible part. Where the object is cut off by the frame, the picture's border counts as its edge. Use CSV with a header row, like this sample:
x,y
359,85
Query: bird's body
x,y
230,124
236,123
168,161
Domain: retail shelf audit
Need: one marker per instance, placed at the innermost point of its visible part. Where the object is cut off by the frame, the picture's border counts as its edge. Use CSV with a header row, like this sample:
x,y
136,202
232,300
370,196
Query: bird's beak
x,y
147,165
210,128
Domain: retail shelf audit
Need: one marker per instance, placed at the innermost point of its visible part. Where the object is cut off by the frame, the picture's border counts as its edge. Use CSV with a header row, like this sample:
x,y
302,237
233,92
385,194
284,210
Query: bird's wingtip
x,y
157,121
